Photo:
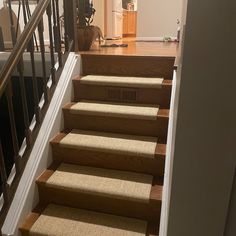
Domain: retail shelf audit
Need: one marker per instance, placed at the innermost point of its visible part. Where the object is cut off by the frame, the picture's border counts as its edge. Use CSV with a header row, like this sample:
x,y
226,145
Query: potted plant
x,y
86,32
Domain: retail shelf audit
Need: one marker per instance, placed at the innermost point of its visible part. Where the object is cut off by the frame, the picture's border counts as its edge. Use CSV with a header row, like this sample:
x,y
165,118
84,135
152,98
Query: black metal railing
x,y
21,96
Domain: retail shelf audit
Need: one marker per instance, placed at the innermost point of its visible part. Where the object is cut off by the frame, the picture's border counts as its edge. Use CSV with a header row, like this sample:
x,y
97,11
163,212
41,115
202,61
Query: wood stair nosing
x,y
160,96
153,166
118,124
105,204
162,113
165,84
152,226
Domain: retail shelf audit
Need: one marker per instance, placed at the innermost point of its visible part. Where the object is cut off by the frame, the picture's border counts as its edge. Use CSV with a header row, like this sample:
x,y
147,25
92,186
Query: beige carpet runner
x,y
62,221
112,143
134,111
98,181
139,195
134,82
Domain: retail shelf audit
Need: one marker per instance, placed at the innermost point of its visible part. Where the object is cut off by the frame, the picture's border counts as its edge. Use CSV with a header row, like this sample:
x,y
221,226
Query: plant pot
x,y
85,37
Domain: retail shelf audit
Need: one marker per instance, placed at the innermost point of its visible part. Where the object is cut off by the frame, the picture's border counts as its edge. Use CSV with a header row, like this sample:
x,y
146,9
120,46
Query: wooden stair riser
x,y
160,97
154,128
128,66
154,166
111,205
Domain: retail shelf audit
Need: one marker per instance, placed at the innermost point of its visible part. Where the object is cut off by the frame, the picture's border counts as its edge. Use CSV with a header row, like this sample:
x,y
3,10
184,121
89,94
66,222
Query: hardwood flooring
x,y
135,48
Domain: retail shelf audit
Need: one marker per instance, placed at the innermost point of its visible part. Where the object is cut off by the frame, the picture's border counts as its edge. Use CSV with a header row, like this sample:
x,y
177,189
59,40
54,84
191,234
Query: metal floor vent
x,y
114,94
119,94
129,95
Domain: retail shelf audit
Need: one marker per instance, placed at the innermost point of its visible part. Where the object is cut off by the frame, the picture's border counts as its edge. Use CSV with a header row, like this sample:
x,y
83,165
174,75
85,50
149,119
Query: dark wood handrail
x,y
22,42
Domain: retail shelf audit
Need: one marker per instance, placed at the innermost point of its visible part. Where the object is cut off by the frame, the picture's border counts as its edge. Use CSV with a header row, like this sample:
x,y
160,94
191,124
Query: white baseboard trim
x,y
155,39
169,160
26,197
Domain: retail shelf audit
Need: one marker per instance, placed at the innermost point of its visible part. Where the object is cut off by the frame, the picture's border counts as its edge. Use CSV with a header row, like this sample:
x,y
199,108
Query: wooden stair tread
x,y
108,183
122,94
97,141
60,220
143,120
164,83
121,110
122,81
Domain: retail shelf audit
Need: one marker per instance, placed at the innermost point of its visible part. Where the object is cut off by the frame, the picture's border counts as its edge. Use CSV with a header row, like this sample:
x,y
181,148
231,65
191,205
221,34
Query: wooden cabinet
x,y
129,23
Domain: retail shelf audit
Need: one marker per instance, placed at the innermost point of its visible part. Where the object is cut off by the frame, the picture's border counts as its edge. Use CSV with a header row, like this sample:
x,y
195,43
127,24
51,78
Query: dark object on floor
x,y
114,45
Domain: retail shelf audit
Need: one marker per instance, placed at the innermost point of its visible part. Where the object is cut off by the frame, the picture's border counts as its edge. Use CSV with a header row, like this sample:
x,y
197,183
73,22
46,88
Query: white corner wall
x,y
203,152
158,18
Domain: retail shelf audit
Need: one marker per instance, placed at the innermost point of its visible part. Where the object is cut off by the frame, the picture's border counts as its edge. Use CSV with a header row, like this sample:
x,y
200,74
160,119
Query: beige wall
x,y
204,153
158,18
100,14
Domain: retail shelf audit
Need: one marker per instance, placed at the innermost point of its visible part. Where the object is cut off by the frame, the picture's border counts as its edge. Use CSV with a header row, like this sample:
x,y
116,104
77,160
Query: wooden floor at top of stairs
x,y
136,48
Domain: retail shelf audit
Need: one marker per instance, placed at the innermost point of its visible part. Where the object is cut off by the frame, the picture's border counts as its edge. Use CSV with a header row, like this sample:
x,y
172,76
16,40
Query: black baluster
x,y
2,45
13,128
53,70
42,49
13,31
58,34
29,16
65,26
71,24
18,18
20,69
5,186
30,49
37,109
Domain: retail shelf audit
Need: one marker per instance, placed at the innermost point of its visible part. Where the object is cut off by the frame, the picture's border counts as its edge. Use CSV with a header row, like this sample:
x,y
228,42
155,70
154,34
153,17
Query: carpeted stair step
x,y
63,221
110,191
123,89
135,119
110,150
120,81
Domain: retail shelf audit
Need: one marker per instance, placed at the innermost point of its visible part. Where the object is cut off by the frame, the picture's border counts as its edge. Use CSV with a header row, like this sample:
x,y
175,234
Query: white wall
x,y
99,18
204,154
158,18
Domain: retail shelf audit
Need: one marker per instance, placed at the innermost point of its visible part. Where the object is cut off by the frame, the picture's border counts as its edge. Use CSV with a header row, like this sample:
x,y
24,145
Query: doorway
x,y
120,18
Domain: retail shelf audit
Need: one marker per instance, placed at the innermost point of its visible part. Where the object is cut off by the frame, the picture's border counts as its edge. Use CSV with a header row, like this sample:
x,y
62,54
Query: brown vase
x,y
85,37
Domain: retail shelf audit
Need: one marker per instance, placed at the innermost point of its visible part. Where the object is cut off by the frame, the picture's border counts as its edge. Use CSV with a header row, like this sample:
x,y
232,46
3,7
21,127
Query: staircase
x,y
108,163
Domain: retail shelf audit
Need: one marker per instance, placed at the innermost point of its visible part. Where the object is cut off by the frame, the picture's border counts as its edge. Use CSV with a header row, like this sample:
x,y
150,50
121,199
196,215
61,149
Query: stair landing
x,y
135,48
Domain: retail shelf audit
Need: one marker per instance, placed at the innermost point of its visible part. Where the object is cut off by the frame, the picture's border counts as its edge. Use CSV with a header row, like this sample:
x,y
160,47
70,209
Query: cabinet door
x,y
132,18
125,23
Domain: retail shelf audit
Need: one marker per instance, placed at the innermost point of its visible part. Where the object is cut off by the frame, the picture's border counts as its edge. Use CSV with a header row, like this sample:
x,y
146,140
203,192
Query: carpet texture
x,y
103,182
112,143
135,82
64,221
134,111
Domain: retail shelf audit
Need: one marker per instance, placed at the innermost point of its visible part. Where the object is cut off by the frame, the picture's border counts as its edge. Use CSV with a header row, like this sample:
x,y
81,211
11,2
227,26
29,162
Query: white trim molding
x,y
169,160
26,197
